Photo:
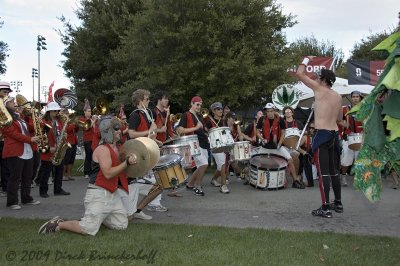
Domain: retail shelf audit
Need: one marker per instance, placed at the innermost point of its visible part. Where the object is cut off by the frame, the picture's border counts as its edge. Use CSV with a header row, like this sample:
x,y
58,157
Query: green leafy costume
x,y
380,113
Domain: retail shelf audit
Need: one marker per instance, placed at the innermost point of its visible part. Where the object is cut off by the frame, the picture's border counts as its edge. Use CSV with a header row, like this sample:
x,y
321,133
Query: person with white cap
x,y
250,132
269,132
352,126
18,154
4,89
51,118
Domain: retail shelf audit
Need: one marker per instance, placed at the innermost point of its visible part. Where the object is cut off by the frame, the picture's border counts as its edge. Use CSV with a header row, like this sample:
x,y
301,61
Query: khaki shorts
x,y
102,207
202,159
219,159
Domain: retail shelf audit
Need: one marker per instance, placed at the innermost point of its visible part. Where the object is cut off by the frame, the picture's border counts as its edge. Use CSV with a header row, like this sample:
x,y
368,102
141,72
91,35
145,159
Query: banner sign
x,y
364,72
314,66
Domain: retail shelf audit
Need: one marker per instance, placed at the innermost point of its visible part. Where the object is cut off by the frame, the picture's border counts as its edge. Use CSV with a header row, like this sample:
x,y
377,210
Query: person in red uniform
x,y
17,152
69,158
88,137
103,204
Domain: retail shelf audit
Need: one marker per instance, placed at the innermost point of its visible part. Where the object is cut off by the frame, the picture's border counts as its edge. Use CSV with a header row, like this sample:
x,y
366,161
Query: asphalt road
x,y
245,207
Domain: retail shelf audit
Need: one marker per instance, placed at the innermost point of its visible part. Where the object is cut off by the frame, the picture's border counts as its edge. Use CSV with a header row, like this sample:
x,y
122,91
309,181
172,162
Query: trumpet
x,y
175,118
204,112
84,125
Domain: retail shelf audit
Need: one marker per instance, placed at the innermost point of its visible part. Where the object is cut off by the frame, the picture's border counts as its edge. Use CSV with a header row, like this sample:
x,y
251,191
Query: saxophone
x,y
5,117
43,144
62,144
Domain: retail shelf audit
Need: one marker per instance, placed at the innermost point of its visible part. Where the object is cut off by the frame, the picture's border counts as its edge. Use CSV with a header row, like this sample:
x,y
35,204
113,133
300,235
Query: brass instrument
x,y
238,121
204,112
175,118
102,107
62,144
66,99
5,117
43,144
84,125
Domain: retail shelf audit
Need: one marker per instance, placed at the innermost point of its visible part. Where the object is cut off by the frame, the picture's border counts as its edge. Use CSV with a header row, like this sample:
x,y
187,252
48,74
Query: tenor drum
x,y
183,150
292,136
354,141
169,171
240,151
267,171
221,139
193,141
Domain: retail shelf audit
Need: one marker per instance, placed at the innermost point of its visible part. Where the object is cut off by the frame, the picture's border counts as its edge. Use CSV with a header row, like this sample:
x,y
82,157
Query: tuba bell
x,y
102,107
285,95
5,117
175,118
204,112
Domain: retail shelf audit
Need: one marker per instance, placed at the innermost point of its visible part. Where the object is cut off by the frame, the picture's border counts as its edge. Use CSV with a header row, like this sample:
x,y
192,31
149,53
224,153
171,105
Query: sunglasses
x,y
219,109
199,104
311,127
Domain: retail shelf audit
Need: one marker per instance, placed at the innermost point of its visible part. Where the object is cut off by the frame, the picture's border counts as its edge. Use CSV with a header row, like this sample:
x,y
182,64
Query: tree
x,y
3,53
363,49
232,51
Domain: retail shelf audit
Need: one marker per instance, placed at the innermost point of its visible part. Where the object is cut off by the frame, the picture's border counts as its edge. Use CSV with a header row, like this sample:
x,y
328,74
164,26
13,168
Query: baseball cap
x,y
216,105
269,106
196,99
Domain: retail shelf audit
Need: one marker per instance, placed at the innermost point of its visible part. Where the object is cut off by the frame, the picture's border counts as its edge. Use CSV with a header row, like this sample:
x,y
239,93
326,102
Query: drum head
x,y
167,161
268,162
176,146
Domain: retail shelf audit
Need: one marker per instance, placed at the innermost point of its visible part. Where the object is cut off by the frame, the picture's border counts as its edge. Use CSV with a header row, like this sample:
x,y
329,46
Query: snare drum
x,y
169,171
240,151
221,139
355,140
181,149
193,141
292,136
268,171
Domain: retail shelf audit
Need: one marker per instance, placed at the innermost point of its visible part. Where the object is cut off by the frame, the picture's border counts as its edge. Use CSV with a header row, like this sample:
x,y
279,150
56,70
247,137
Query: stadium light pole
x,y
34,75
41,45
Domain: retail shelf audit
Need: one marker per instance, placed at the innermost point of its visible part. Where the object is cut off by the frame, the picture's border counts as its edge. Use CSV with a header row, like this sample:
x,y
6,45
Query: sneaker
x,y
224,189
215,183
15,207
336,206
51,226
297,184
198,192
343,180
33,202
62,193
142,215
86,176
157,208
321,212
50,182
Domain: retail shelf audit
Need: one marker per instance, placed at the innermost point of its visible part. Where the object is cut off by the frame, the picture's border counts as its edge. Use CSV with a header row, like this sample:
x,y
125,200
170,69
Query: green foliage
x,y
192,245
3,53
363,49
230,51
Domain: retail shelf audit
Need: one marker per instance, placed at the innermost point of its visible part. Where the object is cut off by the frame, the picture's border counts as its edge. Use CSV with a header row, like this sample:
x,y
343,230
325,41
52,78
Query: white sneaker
x,y
33,202
15,207
224,189
157,208
215,183
86,176
142,215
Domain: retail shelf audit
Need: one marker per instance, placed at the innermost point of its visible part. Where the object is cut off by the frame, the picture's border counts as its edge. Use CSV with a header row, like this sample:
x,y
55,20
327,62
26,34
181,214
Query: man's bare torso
x,y
327,108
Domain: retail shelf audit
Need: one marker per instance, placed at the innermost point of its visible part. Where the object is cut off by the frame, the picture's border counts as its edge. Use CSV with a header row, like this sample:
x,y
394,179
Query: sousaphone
x,y
147,155
286,95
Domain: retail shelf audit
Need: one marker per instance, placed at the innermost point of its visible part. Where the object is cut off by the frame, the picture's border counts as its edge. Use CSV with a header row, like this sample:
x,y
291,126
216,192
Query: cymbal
x,y
147,154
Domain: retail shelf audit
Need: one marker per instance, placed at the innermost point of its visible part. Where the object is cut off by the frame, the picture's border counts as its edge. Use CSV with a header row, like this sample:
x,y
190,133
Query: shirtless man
x,y
325,146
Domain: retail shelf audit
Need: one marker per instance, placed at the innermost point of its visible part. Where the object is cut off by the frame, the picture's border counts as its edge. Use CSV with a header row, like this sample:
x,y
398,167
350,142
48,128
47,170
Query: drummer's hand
x,y
163,129
132,159
279,146
153,127
159,143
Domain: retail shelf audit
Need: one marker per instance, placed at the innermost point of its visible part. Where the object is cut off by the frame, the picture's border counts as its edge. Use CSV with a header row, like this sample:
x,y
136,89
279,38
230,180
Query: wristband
x,y
305,62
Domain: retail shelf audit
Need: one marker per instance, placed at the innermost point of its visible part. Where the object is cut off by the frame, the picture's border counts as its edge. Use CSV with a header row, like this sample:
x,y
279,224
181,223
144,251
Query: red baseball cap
x,y
197,99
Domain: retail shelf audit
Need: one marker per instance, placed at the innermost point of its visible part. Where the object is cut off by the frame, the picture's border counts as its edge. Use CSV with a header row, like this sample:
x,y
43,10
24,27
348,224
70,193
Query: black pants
x,y
44,174
88,157
5,173
20,169
70,154
36,164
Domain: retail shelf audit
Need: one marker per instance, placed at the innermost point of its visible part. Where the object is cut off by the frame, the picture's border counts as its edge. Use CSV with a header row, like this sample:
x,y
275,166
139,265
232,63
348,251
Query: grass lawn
x,y
158,244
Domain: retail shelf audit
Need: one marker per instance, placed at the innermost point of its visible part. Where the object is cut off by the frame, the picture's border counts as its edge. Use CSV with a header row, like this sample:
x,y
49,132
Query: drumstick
x,y
304,129
166,118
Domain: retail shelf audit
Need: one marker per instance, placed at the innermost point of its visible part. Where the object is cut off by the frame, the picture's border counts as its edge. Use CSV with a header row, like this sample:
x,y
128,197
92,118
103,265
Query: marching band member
x,y
237,136
107,182
250,133
269,131
220,158
52,118
141,124
190,124
87,137
162,115
18,154
124,125
4,91
306,161
286,123
69,158
348,156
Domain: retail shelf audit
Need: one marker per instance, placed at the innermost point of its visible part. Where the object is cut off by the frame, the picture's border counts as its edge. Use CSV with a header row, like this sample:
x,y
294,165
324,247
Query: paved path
x,y
245,206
